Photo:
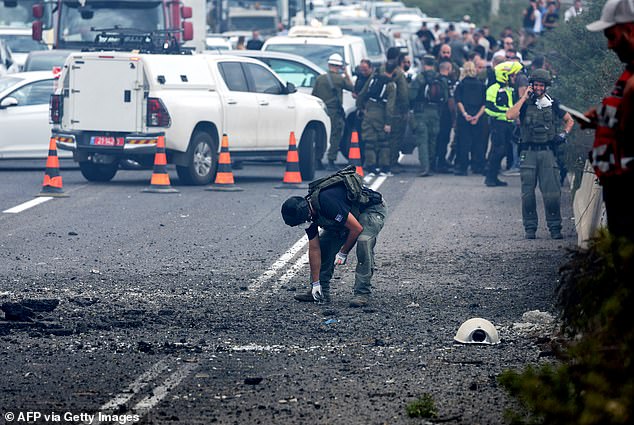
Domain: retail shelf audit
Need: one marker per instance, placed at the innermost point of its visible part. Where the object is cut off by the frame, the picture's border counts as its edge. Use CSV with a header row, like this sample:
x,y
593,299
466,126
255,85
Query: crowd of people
x,y
458,109
518,108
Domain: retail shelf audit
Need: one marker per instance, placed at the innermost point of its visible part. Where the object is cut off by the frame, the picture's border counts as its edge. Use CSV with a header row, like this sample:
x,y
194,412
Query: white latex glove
x,y
316,291
340,259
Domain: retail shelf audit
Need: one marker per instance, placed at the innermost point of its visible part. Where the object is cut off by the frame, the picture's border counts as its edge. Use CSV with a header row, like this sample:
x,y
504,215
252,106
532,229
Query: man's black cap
x,y
295,211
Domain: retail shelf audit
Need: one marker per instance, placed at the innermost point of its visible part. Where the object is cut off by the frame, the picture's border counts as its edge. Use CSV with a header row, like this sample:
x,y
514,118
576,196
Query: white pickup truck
x,y
111,106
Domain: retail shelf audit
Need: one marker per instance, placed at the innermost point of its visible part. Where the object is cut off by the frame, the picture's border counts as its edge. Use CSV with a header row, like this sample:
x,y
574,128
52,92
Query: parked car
x,y
318,43
373,43
25,129
46,60
112,108
21,43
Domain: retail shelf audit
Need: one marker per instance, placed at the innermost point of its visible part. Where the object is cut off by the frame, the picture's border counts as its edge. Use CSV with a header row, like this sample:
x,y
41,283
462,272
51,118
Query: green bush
x,y
423,407
594,385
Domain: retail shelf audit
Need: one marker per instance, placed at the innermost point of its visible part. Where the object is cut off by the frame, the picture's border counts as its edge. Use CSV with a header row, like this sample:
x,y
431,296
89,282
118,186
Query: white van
x,y
318,43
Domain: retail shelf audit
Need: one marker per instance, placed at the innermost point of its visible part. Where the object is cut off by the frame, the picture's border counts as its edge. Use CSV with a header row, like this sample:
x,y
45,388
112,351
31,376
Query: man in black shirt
x,y
345,223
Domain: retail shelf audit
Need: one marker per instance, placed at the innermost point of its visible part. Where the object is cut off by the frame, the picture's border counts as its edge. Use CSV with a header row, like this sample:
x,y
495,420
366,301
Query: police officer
x,y
329,88
349,214
499,99
426,106
378,101
539,115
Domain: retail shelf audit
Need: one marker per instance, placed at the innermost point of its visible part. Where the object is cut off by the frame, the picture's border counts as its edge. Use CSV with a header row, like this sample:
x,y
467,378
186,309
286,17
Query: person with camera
x,y
329,88
539,116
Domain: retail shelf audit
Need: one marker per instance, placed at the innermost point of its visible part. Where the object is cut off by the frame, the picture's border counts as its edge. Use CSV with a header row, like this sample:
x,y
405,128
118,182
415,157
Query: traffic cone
x,y
160,182
292,175
52,185
354,154
224,176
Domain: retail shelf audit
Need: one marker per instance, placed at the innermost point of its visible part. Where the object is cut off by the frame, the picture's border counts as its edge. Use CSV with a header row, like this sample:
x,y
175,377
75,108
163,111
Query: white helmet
x,y
336,60
477,331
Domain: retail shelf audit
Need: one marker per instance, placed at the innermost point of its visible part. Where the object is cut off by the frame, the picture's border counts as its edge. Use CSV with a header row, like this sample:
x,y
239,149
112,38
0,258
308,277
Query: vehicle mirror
x,y
290,88
8,101
36,30
86,12
186,12
188,31
10,3
38,11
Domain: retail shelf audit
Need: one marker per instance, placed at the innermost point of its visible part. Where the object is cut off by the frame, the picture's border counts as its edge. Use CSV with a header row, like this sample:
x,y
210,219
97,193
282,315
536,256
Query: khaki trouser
x,y
540,167
331,240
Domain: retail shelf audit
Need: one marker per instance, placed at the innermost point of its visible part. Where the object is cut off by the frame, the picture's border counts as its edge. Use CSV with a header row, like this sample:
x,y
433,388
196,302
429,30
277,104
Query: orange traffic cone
x,y
224,176
354,154
52,185
160,182
292,175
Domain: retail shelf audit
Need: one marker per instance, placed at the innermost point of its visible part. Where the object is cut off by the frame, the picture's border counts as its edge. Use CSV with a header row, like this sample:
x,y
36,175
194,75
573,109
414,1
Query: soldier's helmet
x,y
540,75
336,60
295,211
504,70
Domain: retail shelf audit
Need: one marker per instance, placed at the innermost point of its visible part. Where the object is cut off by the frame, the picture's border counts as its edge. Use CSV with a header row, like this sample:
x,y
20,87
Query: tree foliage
x,y
595,383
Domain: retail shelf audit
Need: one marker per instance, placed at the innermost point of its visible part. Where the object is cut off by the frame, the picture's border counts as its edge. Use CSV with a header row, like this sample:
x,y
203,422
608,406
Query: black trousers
x,y
617,195
442,140
501,134
470,145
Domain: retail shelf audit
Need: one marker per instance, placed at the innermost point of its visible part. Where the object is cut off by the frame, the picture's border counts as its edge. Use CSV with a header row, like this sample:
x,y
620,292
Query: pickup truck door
x,y
240,106
277,114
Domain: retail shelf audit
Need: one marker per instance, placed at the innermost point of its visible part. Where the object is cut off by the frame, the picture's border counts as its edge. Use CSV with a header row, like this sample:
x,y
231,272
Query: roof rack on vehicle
x,y
128,39
329,31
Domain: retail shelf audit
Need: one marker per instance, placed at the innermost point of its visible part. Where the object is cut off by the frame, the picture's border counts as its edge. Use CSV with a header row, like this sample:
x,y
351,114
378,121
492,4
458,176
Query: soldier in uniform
x,y
426,106
329,88
401,110
378,101
539,115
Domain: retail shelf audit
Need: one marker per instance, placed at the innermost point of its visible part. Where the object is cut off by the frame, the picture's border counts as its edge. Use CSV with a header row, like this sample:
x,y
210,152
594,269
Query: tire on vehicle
x,y
202,160
308,144
98,172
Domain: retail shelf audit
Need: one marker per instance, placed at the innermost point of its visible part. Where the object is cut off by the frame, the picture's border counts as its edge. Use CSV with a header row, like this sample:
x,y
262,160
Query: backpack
x,y
434,91
357,194
376,88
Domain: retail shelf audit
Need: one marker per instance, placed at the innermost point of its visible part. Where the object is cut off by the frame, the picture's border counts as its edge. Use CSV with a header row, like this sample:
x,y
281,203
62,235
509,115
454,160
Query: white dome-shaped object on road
x,y
477,331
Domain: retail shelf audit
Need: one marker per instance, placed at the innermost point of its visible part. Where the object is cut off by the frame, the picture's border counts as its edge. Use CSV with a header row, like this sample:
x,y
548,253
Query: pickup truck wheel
x,y
202,160
306,150
98,172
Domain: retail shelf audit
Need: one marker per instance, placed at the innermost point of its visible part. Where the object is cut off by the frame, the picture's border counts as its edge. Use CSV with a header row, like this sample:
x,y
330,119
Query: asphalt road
x,y
178,308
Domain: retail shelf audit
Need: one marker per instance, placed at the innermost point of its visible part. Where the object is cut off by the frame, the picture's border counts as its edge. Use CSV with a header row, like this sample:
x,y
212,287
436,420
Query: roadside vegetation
x,y
592,379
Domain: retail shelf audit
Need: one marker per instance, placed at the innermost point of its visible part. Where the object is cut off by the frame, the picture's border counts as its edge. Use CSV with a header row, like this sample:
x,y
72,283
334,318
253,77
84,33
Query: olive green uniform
x,y
378,113
399,119
426,120
329,88
538,164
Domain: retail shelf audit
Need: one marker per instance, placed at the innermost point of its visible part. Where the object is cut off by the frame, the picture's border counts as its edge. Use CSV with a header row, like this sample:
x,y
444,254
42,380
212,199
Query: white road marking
x,y
134,388
28,204
290,254
159,393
